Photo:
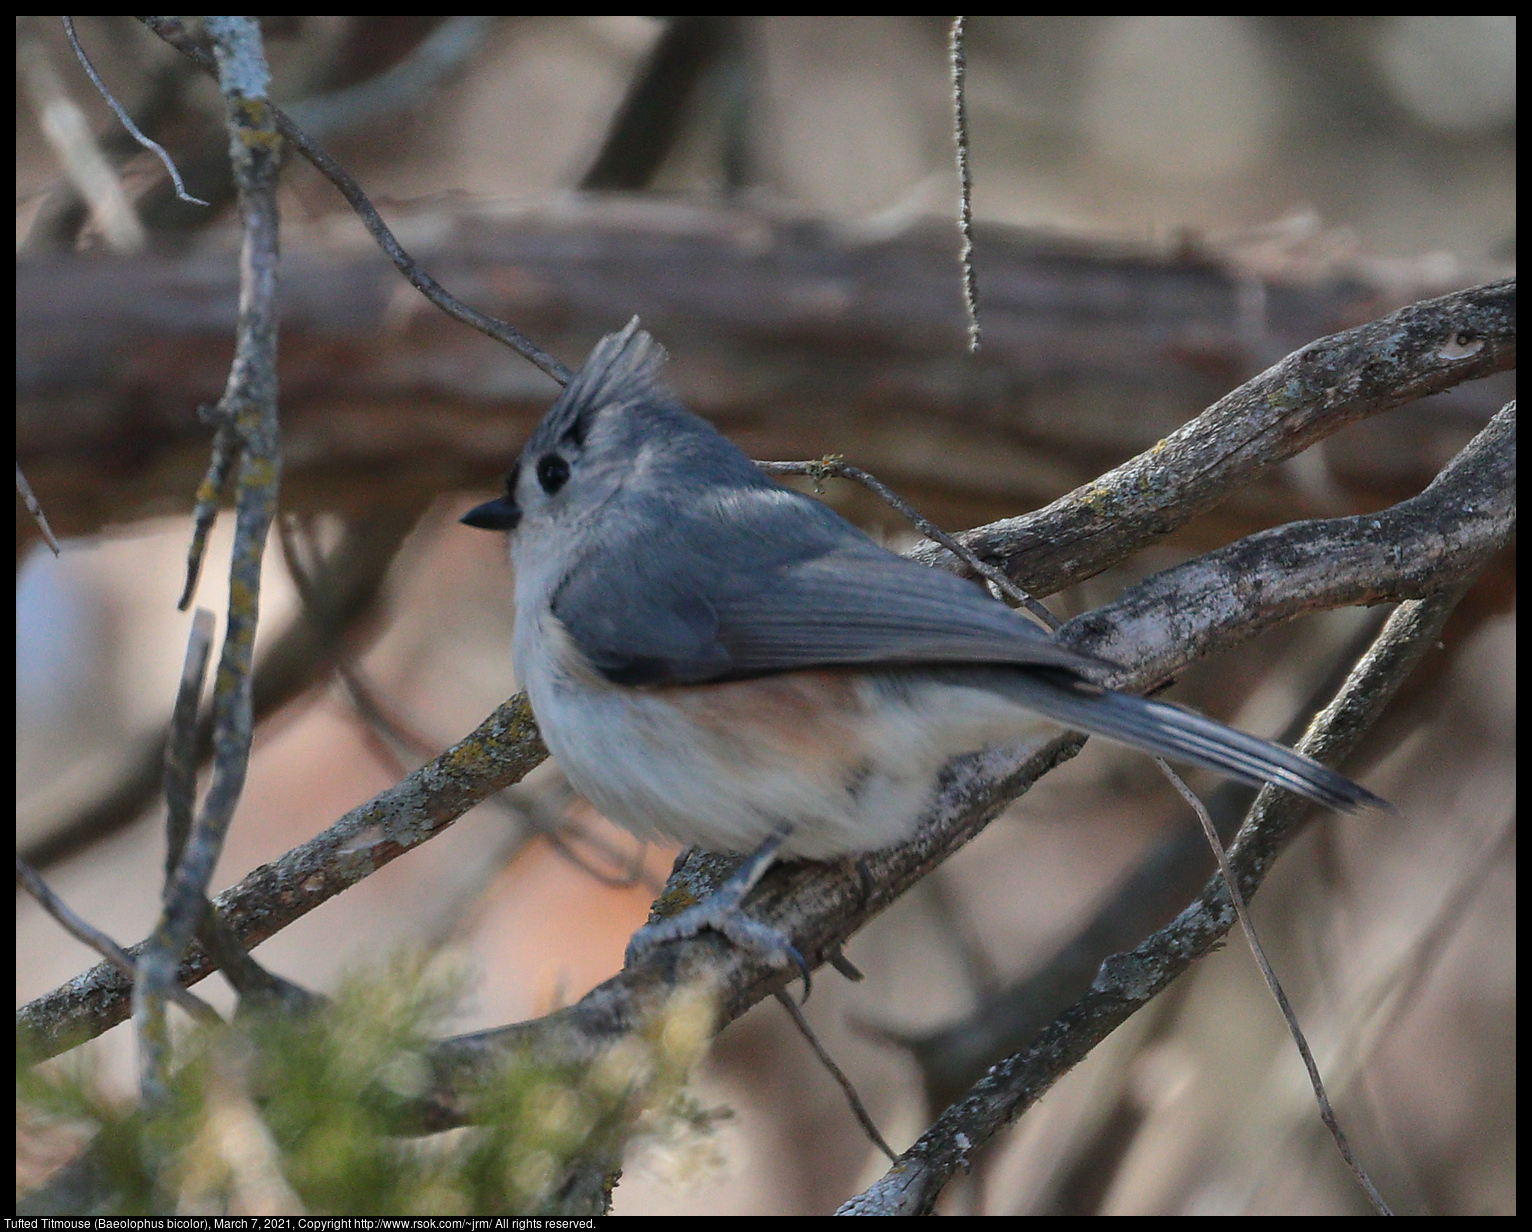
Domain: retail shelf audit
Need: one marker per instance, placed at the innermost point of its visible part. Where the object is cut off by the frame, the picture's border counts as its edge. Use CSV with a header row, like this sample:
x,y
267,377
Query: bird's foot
x,y
722,911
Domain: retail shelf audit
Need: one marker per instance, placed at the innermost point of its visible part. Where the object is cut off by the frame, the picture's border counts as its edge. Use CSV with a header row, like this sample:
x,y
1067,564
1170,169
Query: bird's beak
x,y
498,514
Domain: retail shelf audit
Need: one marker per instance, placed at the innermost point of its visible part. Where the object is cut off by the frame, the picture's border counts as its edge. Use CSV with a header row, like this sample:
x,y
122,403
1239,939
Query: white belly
x,y
849,759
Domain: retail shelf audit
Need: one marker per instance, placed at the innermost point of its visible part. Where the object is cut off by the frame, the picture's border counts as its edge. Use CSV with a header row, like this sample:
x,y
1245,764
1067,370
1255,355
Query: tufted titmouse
x,y
718,658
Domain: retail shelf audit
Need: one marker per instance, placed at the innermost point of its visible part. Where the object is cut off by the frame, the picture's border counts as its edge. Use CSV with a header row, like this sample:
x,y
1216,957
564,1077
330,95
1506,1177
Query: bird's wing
x,y
764,580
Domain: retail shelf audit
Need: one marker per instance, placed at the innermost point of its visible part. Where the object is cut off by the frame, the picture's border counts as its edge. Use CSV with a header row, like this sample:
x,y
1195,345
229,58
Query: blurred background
x,y
1165,206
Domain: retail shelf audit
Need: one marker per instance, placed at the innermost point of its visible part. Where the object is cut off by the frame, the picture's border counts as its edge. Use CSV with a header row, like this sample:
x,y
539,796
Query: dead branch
x,y
799,338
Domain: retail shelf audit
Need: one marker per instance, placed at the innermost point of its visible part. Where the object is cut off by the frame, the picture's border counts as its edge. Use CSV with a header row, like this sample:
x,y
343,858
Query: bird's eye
x,y
552,473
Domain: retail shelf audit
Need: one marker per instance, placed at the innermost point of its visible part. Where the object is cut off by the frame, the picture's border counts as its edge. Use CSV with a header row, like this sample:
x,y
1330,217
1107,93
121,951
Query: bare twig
x,y
181,748
69,135
127,121
954,1056
1421,349
499,752
249,409
247,976
31,881
834,465
36,510
500,331
345,591
1326,1112
1127,982
224,453
171,30
959,58
1392,992
858,1108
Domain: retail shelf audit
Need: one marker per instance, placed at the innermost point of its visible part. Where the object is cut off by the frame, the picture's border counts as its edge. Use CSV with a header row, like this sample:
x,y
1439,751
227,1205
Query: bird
x,y
718,658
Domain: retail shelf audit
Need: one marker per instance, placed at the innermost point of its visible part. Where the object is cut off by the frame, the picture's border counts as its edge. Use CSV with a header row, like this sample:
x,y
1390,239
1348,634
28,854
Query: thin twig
x,y
952,1057
834,466
500,331
1393,992
1128,981
248,977
36,510
223,455
1312,393
965,176
32,881
175,33
181,747
858,1109
249,408
70,137
126,119
1326,1112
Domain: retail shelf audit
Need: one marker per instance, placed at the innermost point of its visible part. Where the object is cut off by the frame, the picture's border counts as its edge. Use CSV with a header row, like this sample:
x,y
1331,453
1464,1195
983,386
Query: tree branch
x,y
1462,518
1127,982
854,346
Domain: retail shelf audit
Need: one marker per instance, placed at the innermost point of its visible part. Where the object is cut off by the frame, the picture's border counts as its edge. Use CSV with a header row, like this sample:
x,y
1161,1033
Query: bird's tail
x,y
1183,735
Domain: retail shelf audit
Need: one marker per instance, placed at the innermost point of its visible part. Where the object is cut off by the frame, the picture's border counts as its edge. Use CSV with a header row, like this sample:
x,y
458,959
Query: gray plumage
x,y
668,559
740,576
